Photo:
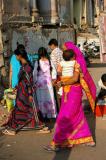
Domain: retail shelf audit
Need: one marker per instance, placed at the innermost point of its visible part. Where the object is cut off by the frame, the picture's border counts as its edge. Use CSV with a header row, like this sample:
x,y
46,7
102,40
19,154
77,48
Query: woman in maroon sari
x,y
24,113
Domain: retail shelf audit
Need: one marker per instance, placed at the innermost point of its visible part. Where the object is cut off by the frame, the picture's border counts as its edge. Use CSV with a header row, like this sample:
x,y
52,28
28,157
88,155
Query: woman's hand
x,y
72,80
58,84
53,82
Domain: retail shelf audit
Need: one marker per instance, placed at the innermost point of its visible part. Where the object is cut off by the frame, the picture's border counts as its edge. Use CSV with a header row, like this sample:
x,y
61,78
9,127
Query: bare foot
x,y
90,144
70,146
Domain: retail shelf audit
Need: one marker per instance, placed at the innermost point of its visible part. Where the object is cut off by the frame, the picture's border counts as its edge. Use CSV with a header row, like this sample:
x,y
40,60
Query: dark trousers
x,y
57,99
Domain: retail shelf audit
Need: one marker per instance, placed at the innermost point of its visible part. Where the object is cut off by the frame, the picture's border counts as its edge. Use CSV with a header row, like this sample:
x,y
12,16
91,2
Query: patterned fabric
x,y
56,57
23,112
44,89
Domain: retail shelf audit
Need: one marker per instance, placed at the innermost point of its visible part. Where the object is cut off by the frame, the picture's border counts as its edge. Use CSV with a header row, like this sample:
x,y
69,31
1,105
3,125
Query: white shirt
x,y
56,56
67,68
99,87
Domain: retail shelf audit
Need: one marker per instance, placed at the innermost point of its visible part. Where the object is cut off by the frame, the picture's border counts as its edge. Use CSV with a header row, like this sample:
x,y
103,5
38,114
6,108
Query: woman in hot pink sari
x,y
71,125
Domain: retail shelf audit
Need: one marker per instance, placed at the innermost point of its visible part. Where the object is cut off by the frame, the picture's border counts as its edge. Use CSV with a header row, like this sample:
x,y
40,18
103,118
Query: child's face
x,y
104,83
18,57
52,47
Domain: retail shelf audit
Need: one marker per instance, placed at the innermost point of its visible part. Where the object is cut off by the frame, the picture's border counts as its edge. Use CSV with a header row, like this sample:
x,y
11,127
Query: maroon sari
x,y
24,112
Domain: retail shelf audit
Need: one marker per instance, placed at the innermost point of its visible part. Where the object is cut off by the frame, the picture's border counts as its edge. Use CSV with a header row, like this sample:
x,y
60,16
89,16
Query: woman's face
x,y
64,48
18,57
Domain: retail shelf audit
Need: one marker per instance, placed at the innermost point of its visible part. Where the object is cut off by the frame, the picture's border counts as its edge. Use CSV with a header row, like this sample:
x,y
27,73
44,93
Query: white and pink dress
x,y
44,90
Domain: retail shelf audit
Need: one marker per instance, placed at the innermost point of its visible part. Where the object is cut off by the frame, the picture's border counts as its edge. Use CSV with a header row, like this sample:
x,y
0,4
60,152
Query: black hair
x,y
53,42
42,52
79,45
103,78
21,51
68,54
20,46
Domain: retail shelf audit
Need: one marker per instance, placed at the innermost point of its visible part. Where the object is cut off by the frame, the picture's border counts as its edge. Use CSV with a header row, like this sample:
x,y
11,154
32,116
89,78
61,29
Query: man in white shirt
x,y
56,57
56,54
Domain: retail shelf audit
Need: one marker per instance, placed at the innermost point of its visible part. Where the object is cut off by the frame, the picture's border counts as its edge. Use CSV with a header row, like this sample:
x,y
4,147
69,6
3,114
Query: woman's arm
x,y
59,69
72,80
54,72
10,76
75,77
35,72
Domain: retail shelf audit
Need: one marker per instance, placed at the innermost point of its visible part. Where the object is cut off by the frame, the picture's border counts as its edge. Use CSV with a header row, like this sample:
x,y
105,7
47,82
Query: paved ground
x,y
29,145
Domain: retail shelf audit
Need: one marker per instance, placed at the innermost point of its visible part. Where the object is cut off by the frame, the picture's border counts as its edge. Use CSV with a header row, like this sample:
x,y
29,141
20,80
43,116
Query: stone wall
x,y
33,39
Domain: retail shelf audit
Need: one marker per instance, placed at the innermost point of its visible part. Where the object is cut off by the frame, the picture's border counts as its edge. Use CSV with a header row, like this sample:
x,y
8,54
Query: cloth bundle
x,y
9,97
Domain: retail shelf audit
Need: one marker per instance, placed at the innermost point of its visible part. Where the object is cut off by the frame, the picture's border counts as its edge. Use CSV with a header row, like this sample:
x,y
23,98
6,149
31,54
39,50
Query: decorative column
x,y
90,12
34,9
105,5
48,10
81,11
71,11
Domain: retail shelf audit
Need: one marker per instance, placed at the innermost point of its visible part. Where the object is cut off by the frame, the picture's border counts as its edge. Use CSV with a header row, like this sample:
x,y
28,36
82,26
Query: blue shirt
x,y
15,64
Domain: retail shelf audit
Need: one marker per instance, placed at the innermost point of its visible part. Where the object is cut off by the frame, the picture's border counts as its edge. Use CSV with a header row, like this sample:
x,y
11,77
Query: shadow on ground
x,y
63,155
91,118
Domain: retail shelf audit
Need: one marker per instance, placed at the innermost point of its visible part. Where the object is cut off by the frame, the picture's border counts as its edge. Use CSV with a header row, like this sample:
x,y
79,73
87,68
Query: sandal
x,y
8,132
49,148
44,130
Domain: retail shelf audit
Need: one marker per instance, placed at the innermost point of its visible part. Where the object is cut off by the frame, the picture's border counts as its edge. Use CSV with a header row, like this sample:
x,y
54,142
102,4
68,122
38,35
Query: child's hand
x,y
58,84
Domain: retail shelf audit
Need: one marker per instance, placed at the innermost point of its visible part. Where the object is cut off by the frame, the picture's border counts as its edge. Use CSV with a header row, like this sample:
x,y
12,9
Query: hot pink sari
x,y
71,124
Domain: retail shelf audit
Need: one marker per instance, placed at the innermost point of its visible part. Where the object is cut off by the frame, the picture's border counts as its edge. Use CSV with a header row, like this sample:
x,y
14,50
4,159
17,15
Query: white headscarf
x,y
101,85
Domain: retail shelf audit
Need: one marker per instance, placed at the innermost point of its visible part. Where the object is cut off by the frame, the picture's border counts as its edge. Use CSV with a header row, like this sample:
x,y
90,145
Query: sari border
x,y
88,93
69,142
